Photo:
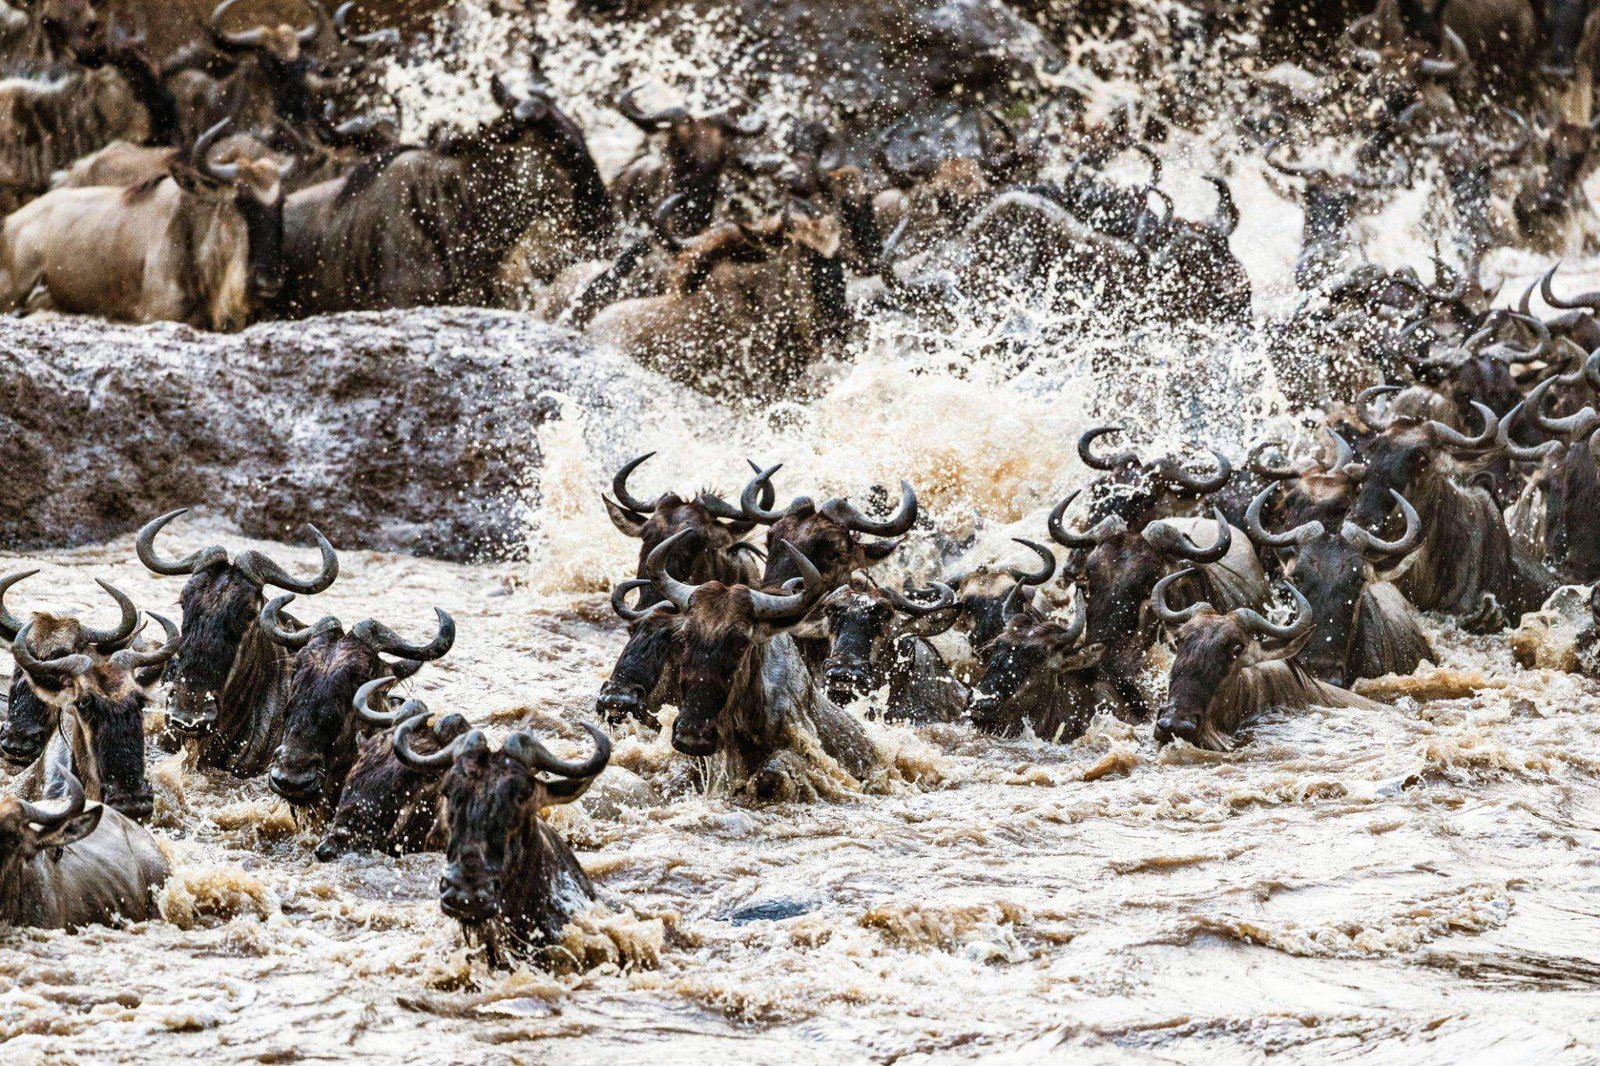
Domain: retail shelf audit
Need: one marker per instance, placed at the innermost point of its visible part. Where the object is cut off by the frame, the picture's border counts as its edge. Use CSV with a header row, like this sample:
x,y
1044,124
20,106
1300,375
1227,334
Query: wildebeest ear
x,y
879,550
813,627
72,832
189,179
631,523
1260,654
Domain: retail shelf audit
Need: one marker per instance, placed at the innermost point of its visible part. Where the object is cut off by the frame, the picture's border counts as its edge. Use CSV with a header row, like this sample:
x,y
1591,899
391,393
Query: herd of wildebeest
x,y
1461,482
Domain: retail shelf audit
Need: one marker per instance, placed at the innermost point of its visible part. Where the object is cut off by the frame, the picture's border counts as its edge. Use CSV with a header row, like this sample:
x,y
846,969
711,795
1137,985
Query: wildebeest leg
x,y
845,741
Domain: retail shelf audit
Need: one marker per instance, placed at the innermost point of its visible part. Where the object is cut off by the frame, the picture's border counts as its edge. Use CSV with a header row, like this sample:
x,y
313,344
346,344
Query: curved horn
x,y
1447,68
105,639
64,668
294,640
895,525
1257,464
756,499
678,593
264,571
1168,540
1047,564
372,705
319,18
202,149
619,487
1097,462
1570,426
386,641
1294,170
1174,472
946,599
1304,620
1589,301
245,39
1259,534
439,761
1103,530
1364,405
523,746
1225,219
720,508
1536,454
10,624
145,546
769,607
1158,597
72,805
629,106
1456,439
619,601
130,660
1368,544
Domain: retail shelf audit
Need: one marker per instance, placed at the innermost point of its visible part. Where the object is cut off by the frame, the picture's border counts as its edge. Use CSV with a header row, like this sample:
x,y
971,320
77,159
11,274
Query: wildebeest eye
x,y
1235,649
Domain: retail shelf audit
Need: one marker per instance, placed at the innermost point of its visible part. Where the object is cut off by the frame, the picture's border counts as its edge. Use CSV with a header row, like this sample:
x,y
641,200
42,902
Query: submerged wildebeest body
x,y
713,551
1468,563
87,711
1364,626
321,730
1228,669
387,806
746,694
68,865
229,679
201,245
509,879
417,226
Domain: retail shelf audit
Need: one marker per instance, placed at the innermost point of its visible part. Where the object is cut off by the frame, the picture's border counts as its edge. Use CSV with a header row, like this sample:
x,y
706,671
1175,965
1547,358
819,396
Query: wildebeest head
x,y
1568,157
714,526
1030,664
698,147
255,188
717,625
1212,649
27,829
93,676
221,602
1333,571
864,620
320,728
386,804
1135,486
493,799
829,536
1406,451
283,41
1322,490
1124,562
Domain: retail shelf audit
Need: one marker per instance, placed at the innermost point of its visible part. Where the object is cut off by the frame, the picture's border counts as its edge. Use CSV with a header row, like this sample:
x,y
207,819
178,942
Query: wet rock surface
x,y
410,431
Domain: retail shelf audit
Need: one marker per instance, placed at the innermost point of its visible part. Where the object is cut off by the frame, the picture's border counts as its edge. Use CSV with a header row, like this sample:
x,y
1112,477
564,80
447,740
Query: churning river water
x,y
1419,884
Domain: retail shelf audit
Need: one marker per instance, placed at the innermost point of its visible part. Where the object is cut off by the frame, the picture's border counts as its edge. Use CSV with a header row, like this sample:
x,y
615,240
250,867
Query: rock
x,y
402,431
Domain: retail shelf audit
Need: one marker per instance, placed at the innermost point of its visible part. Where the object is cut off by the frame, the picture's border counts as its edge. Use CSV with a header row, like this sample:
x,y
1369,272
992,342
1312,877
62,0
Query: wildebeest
x,y
509,879
387,806
99,703
697,149
746,310
229,678
66,865
201,245
745,693
1364,626
1039,673
878,640
714,551
1231,668
1572,477
417,226
828,535
1468,564
321,731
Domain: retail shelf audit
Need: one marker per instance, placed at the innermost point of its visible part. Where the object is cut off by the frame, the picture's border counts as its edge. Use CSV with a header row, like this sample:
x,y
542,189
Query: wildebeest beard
x,y
510,881
228,678
115,724
29,723
320,729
